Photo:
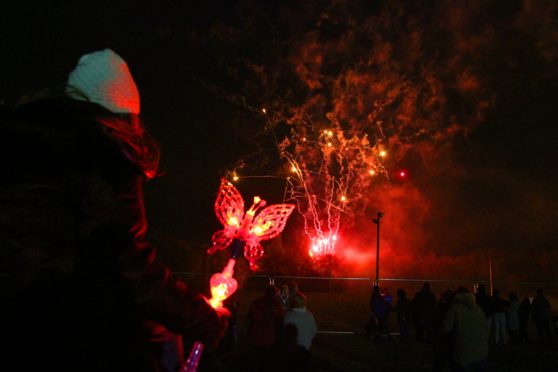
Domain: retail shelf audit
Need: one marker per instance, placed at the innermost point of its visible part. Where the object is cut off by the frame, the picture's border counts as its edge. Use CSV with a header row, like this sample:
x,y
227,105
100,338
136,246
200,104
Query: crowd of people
x,y
280,330
461,326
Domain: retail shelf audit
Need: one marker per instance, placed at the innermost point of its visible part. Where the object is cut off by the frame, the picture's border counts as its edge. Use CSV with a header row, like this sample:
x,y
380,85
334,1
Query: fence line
x,y
271,278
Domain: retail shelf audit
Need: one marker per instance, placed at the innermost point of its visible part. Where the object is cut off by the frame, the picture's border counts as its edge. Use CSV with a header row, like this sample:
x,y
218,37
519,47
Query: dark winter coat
x,y
80,287
466,320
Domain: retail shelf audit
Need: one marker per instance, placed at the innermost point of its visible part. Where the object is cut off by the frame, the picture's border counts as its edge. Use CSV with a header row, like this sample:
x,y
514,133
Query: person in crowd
x,y
291,356
441,342
483,300
404,313
387,296
498,308
293,290
264,324
541,314
381,309
512,317
523,314
466,323
424,303
303,320
81,287
284,296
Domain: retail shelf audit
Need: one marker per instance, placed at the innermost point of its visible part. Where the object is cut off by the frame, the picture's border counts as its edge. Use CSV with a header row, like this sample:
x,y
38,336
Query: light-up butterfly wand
x,y
243,230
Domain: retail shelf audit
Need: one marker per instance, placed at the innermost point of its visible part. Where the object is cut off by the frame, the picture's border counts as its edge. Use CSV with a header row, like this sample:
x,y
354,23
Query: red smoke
x,y
419,80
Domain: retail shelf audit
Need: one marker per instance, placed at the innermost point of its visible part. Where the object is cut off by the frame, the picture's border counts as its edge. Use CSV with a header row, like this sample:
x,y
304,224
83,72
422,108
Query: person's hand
x,y
223,312
215,326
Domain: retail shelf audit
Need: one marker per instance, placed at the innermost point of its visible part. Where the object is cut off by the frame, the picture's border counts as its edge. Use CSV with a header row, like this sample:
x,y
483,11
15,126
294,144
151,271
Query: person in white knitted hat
x,y
103,77
81,288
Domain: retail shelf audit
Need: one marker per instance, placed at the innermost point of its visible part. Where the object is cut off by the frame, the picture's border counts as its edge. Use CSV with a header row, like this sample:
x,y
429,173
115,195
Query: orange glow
x,y
261,228
383,153
222,285
343,198
293,169
372,172
233,221
235,178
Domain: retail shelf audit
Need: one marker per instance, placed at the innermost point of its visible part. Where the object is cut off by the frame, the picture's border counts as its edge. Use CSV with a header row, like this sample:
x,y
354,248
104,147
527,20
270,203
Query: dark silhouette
x,y
498,309
441,342
378,325
423,310
540,311
290,355
512,317
265,321
293,290
404,313
285,296
523,314
483,300
81,289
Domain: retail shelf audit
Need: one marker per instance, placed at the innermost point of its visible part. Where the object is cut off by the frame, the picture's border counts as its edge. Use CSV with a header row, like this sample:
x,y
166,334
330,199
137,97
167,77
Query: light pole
x,y
377,222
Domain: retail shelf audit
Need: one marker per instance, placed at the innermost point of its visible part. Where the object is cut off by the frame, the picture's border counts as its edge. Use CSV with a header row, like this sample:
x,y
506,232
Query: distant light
x,y
383,153
402,174
235,178
329,133
372,172
304,138
329,144
343,198
293,169
264,110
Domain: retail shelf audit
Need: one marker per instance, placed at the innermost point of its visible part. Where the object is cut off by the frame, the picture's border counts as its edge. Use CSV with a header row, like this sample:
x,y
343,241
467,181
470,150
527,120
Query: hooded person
x,y
81,288
466,322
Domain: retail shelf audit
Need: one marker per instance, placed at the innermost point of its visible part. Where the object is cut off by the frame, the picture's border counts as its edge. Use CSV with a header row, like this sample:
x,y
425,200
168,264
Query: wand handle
x,y
191,364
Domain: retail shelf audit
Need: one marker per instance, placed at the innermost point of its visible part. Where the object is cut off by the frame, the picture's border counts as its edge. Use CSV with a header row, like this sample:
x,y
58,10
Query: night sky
x,y
463,95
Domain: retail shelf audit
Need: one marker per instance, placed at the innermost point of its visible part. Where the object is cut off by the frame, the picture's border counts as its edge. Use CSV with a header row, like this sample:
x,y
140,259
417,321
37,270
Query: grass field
x,y
344,308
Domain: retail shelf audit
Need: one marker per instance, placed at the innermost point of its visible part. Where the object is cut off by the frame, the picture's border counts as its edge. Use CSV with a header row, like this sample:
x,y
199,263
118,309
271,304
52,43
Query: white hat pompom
x,y
104,78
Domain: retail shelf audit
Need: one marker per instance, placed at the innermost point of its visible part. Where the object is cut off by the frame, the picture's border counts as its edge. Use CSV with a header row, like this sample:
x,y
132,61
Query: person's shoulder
x,y
310,314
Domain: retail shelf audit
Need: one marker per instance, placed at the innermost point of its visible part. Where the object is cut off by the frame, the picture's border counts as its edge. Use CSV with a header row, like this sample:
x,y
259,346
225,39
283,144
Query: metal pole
x,y
377,222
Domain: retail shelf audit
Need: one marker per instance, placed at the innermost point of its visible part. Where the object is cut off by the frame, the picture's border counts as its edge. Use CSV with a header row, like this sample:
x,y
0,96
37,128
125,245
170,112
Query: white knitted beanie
x,y
104,78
